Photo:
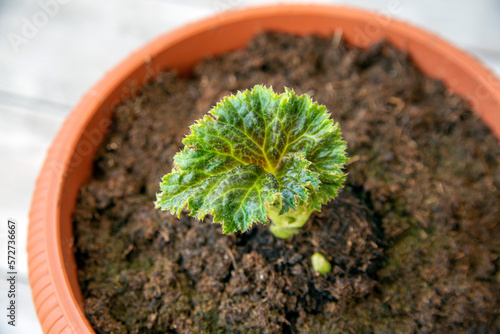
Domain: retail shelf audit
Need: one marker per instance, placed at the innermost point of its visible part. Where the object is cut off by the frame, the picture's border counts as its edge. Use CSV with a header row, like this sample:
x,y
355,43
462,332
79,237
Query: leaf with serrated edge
x,y
296,181
255,149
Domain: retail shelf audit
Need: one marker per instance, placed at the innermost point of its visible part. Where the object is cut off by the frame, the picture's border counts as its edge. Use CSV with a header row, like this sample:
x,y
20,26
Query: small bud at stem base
x,y
320,264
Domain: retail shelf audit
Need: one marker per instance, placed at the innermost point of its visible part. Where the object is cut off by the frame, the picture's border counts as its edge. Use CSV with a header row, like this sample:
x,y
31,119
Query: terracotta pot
x,y
52,268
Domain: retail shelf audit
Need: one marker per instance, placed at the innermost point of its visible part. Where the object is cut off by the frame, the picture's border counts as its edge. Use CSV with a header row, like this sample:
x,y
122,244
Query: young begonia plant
x,y
257,156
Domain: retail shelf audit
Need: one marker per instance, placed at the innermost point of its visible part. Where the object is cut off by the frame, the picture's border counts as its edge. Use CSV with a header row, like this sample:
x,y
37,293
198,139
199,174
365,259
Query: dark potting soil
x,y
414,238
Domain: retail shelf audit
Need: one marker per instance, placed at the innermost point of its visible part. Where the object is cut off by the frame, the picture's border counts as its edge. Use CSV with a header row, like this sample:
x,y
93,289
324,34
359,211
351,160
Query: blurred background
x,y
53,51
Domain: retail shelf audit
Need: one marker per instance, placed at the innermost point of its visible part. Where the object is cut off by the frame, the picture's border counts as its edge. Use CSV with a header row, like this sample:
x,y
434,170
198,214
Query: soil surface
x,y
414,238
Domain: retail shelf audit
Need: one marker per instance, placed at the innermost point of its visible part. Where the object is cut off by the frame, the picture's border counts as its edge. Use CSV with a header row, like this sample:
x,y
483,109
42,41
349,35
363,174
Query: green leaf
x,y
296,181
253,150
235,199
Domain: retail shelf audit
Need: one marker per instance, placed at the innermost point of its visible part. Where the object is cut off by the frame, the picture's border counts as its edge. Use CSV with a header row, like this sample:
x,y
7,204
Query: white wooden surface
x,y
45,69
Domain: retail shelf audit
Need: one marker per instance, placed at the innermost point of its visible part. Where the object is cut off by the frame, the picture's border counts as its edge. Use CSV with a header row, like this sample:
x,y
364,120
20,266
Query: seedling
x,y
320,264
257,156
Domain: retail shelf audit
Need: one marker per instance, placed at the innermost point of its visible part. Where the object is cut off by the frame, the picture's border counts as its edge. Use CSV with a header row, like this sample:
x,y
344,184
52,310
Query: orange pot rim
x,y
52,272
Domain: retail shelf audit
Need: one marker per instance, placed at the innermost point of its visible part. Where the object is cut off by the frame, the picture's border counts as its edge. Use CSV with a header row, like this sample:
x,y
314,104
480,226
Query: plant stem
x,y
289,223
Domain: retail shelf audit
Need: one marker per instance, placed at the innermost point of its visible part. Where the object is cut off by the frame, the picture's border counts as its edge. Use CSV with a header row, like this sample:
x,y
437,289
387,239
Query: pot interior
x,y
70,159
